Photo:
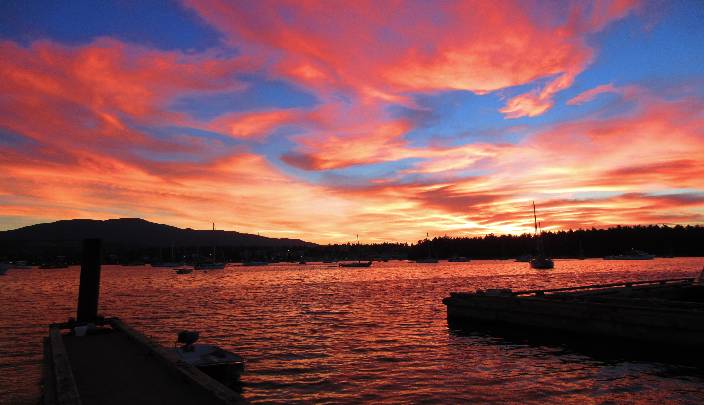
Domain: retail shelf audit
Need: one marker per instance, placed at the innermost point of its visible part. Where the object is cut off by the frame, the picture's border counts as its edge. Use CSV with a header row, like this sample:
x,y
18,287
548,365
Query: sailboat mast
x,y
535,219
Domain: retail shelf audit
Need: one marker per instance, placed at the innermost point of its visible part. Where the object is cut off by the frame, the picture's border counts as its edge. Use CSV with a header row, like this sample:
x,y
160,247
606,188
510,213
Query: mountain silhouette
x,y
137,232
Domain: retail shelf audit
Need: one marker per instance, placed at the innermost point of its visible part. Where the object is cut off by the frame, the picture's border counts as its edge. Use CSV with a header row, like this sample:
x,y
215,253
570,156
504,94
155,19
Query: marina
x,y
327,334
376,171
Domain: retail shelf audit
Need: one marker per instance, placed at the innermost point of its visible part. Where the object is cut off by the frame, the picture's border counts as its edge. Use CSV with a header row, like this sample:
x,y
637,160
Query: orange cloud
x,y
257,124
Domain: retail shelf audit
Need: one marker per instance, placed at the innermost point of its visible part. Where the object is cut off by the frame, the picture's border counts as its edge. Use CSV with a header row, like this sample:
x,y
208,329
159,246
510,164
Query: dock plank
x,y
111,368
63,382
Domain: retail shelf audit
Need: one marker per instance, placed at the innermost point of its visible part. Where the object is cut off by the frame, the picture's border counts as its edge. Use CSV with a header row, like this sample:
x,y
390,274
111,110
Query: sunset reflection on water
x,y
319,333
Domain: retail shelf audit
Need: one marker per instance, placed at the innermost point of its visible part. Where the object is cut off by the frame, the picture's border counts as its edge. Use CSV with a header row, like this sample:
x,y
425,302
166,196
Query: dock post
x,y
89,288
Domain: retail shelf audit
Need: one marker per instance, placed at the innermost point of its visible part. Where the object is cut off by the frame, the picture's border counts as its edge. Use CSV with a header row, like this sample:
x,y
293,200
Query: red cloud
x,y
637,159
94,94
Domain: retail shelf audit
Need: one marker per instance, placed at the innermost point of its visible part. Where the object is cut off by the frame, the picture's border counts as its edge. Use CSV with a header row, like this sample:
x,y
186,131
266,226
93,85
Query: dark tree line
x,y
659,240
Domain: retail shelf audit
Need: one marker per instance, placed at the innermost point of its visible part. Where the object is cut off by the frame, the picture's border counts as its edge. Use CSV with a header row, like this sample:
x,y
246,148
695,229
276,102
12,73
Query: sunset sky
x,y
321,120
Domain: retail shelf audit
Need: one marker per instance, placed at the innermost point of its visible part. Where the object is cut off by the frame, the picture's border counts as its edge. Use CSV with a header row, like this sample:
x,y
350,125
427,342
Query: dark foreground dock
x,y
95,360
669,312
118,365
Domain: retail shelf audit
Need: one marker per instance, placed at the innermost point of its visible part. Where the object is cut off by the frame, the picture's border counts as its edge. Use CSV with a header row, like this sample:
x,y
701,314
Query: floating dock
x,y
104,361
661,311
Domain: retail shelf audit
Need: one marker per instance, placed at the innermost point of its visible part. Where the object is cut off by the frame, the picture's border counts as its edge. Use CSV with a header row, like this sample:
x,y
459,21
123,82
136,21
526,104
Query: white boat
x,y
218,363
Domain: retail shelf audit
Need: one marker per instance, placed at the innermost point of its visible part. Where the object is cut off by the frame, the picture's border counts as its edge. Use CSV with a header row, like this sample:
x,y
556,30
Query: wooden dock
x,y
115,364
661,311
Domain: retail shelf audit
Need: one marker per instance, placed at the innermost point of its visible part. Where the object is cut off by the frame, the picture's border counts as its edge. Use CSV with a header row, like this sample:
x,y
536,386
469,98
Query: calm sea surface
x,y
318,333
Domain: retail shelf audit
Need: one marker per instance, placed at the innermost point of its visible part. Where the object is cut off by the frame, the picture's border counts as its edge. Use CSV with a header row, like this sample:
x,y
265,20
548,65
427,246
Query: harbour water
x,y
324,334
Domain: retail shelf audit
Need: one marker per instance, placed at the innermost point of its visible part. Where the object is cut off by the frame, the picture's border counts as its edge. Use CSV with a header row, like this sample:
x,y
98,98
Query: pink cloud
x,y
388,50
591,94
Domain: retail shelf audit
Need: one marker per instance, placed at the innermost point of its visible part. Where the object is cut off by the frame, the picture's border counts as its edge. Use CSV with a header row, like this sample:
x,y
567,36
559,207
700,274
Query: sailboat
x,y
358,263
210,264
540,261
430,258
172,264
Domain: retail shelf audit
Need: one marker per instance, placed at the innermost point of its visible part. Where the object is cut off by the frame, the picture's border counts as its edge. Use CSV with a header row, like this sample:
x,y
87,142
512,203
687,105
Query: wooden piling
x,y
89,289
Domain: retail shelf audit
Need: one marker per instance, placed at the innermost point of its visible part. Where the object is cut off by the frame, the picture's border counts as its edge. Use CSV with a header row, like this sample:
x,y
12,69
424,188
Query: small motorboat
x,y
218,363
170,265
524,258
255,263
634,254
542,263
356,264
426,260
184,270
53,266
209,266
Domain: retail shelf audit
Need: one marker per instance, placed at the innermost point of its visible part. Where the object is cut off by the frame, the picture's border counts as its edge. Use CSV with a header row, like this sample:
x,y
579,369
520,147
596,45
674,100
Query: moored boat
x,y
218,363
210,263
53,266
540,261
634,254
430,258
209,266
356,264
20,264
170,265
255,263
184,270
